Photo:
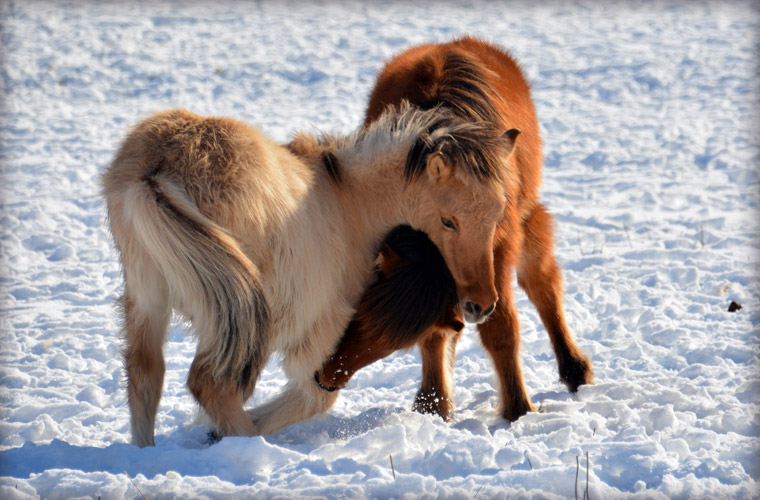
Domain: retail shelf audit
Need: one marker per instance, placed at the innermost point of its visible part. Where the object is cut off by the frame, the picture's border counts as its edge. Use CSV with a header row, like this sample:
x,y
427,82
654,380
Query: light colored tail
x,y
211,281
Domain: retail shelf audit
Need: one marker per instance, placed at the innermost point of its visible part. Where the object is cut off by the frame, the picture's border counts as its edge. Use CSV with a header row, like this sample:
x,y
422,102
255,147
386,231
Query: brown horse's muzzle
x,y
478,295
474,312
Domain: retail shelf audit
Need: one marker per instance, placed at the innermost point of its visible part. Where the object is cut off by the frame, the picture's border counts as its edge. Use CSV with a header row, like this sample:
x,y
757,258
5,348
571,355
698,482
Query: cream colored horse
x,y
265,247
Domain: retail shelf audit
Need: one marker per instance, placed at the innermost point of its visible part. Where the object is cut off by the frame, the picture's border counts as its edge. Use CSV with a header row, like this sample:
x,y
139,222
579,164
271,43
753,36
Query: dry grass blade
x,y
136,487
577,469
580,247
478,492
586,495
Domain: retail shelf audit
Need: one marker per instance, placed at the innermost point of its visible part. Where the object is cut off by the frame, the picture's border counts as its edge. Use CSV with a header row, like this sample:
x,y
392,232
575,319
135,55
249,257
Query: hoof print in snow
x,y
734,306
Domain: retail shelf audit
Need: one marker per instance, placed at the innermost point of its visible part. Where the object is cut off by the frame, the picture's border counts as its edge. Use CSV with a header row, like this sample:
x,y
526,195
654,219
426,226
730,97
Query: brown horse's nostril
x,y
489,310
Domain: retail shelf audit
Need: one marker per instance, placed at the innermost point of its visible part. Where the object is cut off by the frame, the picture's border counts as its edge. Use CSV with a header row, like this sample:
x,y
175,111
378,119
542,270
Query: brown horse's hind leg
x,y
435,394
145,323
501,338
222,401
539,276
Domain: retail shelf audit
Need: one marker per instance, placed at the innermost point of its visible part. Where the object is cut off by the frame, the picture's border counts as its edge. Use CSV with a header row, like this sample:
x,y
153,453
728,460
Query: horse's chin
x,y
475,319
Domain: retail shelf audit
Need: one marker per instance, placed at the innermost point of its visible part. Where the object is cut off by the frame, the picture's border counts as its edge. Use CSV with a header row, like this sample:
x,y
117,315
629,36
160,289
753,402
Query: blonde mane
x,y
474,145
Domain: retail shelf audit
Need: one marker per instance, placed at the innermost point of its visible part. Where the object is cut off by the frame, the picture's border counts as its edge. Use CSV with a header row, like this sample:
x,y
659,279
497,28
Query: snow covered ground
x,y
650,118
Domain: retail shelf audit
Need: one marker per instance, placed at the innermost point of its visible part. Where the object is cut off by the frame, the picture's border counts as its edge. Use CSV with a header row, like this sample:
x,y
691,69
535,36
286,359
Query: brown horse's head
x,y
457,170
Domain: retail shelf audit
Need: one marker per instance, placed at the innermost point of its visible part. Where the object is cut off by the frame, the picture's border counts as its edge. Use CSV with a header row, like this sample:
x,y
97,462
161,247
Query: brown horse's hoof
x,y
517,409
430,402
576,372
213,437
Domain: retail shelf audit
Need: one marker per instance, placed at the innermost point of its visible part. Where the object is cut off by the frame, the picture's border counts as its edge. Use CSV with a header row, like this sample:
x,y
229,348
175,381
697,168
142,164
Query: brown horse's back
x,y
476,79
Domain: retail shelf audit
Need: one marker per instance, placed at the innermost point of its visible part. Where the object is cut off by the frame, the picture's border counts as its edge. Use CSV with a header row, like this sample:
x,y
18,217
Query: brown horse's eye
x,y
448,223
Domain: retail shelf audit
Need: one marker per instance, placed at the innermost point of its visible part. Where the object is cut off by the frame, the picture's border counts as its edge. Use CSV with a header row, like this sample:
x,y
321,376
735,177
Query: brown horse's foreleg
x,y
435,394
145,331
501,338
539,275
222,400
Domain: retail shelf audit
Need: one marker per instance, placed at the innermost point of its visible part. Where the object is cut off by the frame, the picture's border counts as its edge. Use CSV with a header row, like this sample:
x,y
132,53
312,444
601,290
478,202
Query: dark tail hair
x,y
210,279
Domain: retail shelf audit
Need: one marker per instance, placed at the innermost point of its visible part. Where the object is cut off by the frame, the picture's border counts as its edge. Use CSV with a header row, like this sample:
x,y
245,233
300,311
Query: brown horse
x,y
479,82
413,294
267,247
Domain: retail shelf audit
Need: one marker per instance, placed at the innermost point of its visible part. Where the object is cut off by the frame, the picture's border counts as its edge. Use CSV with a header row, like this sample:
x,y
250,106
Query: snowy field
x,y
649,113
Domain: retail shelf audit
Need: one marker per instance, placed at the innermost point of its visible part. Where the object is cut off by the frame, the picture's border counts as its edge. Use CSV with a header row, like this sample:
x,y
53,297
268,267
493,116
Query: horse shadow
x,y
193,452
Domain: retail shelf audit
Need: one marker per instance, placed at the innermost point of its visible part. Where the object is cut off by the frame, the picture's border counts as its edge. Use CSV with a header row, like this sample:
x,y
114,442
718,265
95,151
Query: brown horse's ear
x,y
439,170
390,260
511,136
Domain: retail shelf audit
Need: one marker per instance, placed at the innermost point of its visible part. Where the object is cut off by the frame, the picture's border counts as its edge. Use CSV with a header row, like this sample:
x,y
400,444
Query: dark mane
x,y
476,146
463,89
473,145
332,167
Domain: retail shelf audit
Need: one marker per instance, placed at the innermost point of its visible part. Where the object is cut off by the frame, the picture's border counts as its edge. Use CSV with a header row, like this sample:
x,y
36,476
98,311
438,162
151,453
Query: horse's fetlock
x,y
575,372
516,409
430,402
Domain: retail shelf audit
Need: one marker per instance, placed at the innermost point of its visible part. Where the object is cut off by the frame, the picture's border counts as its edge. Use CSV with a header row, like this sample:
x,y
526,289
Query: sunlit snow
x,y
649,114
